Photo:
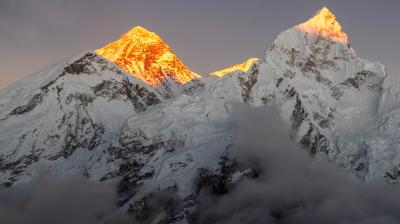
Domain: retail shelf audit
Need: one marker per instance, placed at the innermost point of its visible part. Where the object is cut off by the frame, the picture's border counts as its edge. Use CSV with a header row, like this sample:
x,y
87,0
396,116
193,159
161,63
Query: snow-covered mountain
x,y
66,114
328,94
152,124
336,102
146,56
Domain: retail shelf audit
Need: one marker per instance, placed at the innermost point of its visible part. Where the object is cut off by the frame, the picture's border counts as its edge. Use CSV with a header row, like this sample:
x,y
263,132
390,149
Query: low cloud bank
x,y
49,200
292,187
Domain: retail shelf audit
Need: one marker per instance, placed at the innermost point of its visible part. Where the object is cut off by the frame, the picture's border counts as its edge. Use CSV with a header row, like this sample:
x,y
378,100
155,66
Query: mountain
x,y
66,114
134,113
146,56
326,92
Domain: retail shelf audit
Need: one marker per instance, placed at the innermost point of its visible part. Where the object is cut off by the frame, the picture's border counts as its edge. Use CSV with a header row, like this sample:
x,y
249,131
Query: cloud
x,y
292,187
49,200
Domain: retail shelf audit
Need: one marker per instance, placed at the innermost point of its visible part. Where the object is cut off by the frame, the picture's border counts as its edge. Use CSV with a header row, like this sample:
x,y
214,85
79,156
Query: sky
x,y
207,35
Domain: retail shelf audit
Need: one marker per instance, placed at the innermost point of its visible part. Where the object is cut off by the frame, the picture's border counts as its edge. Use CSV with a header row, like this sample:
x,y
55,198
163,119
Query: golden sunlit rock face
x,y
244,67
324,24
146,56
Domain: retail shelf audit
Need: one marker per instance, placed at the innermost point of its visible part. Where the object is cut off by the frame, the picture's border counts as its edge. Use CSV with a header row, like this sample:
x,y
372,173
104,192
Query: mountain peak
x,y
139,32
325,24
325,11
146,56
139,29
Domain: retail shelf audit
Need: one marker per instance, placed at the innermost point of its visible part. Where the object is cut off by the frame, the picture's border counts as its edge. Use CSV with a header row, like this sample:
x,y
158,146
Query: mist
x,y
292,187
48,200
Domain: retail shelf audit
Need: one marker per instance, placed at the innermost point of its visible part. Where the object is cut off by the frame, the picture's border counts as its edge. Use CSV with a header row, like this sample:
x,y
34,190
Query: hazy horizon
x,y
207,35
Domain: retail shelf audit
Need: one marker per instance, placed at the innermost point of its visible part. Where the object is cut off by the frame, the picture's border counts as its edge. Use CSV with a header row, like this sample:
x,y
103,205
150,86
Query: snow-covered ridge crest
x,y
243,67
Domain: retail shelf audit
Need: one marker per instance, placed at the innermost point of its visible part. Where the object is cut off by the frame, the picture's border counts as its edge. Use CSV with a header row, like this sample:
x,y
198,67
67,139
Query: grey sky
x,y
208,35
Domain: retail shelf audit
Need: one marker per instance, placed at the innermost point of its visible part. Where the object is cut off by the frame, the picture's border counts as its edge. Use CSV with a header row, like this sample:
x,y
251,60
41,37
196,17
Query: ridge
x,y
244,67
